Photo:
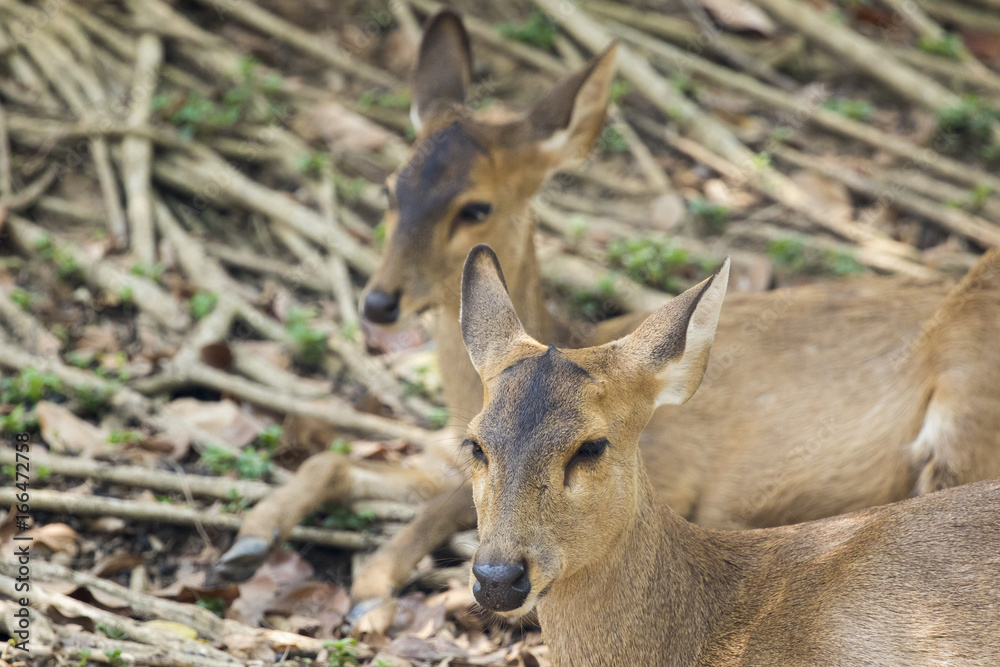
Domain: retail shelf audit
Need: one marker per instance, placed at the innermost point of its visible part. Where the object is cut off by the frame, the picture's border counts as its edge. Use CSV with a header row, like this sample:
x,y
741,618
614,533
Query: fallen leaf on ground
x,y
740,15
68,434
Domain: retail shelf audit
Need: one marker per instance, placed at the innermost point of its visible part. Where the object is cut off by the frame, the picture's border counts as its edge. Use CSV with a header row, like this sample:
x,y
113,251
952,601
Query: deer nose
x,y
382,307
501,586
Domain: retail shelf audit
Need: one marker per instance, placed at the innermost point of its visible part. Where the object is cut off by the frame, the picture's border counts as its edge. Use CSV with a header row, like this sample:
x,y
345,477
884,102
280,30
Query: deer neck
x,y
654,598
463,390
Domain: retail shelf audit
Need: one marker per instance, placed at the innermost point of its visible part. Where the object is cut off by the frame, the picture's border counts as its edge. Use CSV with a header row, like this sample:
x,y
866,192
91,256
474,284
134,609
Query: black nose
x,y
381,307
501,586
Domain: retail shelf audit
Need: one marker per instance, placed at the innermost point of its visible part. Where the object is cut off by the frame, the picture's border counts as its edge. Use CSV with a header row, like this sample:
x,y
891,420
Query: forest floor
x,y
191,201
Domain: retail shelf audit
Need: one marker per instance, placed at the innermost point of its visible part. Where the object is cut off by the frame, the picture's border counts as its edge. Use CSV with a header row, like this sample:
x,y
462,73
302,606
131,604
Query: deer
x,y
820,400
570,526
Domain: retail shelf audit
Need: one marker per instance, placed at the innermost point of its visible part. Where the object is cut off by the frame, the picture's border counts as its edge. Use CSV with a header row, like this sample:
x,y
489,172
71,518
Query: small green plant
x,y
235,503
310,342
349,189
417,386
8,470
538,30
438,417
711,216
84,657
250,463
253,463
339,517
215,605
196,114
970,124
203,303
114,656
859,110
597,304
270,437
619,89
652,263
612,140
30,386
93,400
949,46
378,234
42,473
22,298
793,253
313,163
125,294
974,200
19,420
343,652
341,446
217,460
385,100
153,272
112,631
120,436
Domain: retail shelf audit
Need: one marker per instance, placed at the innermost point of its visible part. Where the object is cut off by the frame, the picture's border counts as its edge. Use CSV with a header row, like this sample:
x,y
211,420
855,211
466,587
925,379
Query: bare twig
x,y
137,152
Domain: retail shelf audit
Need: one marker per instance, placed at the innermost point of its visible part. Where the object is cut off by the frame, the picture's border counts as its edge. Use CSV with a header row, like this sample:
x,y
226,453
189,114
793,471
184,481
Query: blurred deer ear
x,y
490,326
444,67
570,118
674,342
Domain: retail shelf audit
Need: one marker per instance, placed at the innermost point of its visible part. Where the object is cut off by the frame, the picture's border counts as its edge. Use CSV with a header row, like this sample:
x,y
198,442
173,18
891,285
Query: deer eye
x,y
589,451
475,212
477,450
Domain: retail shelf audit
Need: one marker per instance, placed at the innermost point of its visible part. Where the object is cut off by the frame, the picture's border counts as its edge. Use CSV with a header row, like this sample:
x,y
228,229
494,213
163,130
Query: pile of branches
x,y
203,181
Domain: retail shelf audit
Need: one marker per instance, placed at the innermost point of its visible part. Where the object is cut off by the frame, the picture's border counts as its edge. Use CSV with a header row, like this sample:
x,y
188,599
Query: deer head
x,y
468,179
554,458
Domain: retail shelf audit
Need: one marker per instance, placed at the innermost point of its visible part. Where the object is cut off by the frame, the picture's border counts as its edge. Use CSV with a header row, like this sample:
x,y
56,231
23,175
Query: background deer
x,y
569,524
819,400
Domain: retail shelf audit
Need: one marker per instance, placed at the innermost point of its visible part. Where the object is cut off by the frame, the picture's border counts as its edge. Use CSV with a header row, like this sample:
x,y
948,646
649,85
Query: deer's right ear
x,y
567,121
674,342
490,326
444,67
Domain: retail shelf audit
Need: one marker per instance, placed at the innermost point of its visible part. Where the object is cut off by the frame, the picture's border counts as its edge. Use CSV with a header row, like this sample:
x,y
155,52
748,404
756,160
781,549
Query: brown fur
x,y
619,579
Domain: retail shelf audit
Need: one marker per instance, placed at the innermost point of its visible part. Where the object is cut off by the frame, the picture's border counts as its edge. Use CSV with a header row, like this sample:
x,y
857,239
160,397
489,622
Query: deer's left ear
x,y
444,67
490,326
674,342
567,121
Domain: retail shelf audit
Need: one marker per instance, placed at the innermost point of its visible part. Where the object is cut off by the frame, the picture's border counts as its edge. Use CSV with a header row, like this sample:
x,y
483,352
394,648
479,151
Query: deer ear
x,y
674,342
568,120
490,326
444,67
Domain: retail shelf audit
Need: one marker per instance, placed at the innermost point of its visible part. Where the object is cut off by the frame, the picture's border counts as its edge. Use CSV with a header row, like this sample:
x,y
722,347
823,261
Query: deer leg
x,y
323,477
388,568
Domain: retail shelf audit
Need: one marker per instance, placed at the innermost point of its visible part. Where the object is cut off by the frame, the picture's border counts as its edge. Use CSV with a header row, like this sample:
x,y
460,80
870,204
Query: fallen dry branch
x,y
69,608
80,505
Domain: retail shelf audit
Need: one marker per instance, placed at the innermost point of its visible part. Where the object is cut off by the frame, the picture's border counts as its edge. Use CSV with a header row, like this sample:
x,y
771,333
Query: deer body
x,y
569,523
907,584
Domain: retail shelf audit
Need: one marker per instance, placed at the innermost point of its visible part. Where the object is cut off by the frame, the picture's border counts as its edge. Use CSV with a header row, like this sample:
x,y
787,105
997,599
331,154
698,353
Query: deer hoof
x,y
241,561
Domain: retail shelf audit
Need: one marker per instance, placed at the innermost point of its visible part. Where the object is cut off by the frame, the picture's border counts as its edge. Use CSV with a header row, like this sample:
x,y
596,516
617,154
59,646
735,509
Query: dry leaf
x,y
66,433
283,571
56,536
223,419
740,15
343,129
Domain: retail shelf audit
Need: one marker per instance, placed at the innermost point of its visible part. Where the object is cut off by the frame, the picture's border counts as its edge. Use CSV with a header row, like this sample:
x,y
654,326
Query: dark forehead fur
x,y
436,173
533,405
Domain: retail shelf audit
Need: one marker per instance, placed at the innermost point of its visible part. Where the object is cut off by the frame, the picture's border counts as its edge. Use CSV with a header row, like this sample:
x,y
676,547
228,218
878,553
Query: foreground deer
x,y
569,524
